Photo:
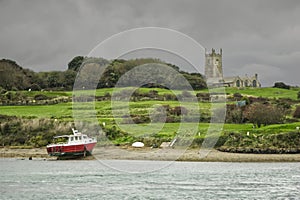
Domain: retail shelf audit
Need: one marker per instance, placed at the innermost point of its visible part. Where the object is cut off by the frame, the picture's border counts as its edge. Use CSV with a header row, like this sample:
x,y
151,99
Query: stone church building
x,y
214,73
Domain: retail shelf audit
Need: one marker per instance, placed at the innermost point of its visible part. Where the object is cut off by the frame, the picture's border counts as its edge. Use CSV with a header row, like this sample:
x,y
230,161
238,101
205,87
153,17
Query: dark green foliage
x,y
2,91
168,114
40,97
284,104
264,114
163,113
246,99
297,112
55,79
261,143
204,97
237,96
75,63
117,68
234,114
14,77
32,132
170,97
196,80
69,77
281,85
178,111
35,87
114,133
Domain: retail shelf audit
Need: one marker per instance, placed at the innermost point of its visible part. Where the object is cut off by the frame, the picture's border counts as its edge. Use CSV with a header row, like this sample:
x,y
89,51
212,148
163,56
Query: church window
x,y
254,83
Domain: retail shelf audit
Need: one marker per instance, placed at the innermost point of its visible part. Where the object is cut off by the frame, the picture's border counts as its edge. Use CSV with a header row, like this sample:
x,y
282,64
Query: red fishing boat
x,y
77,144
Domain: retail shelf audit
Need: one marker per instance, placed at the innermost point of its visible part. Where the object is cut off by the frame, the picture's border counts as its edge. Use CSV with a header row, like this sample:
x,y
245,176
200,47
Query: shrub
x,y
152,94
113,133
203,96
34,132
234,115
237,96
246,99
178,110
170,97
281,85
2,91
35,87
297,112
40,97
264,114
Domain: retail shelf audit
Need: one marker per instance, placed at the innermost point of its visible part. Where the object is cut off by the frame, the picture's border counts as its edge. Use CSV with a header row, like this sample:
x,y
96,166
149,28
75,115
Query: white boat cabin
x,y
76,138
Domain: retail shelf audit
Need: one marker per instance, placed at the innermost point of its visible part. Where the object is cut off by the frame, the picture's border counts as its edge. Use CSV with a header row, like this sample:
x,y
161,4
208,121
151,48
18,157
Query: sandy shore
x,y
110,153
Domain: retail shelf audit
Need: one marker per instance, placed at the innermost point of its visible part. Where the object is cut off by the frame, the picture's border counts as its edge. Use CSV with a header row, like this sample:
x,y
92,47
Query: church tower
x,y
213,66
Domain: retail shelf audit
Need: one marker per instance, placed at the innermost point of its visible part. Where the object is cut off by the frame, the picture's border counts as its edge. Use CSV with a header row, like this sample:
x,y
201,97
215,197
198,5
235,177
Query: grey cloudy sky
x,y
257,36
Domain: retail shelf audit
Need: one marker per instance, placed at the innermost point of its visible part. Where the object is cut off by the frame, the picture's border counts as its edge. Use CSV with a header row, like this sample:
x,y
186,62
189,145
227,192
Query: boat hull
x,y
71,150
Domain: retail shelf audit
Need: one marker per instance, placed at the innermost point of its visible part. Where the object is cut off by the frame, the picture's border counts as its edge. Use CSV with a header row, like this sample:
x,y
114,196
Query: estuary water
x,y
94,179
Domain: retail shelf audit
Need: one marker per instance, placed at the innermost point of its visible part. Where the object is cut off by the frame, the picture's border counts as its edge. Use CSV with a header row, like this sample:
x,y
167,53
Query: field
x,y
104,112
35,125
266,92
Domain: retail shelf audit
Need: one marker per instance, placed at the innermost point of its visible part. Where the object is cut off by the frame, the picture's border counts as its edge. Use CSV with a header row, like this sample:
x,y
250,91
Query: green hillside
x,y
145,102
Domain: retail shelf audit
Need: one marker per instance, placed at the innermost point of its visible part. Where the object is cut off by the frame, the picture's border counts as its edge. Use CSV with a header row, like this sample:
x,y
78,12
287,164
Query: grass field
x,y
115,116
171,128
63,111
266,92
256,92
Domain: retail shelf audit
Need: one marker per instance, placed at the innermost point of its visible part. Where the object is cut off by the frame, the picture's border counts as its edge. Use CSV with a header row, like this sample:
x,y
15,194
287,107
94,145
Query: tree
x,y
55,79
69,79
75,63
13,76
35,87
264,114
281,85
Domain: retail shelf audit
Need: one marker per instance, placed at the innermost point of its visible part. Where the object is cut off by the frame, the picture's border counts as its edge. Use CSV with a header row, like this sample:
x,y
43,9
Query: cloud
x,y
46,35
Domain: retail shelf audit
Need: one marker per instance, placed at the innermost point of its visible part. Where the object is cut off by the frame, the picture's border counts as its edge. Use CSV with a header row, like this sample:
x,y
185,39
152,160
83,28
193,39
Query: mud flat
x,y
167,154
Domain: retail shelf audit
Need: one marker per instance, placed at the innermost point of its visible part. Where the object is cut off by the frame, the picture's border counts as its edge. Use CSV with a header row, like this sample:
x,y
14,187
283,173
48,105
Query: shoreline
x,y
166,154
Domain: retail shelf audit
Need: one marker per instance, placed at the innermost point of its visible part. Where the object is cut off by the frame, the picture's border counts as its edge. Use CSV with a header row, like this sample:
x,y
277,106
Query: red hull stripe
x,y
71,148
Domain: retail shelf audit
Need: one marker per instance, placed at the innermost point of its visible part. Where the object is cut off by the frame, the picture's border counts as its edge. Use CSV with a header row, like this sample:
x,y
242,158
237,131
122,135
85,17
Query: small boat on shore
x,y
77,144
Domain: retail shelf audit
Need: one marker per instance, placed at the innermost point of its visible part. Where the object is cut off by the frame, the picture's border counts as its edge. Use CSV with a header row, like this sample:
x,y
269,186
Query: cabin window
x,y
61,140
254,83
238,84
84,137
76,138
71,138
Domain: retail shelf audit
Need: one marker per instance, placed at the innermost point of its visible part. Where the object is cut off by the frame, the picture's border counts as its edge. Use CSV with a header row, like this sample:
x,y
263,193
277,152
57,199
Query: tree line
x,y
14,77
